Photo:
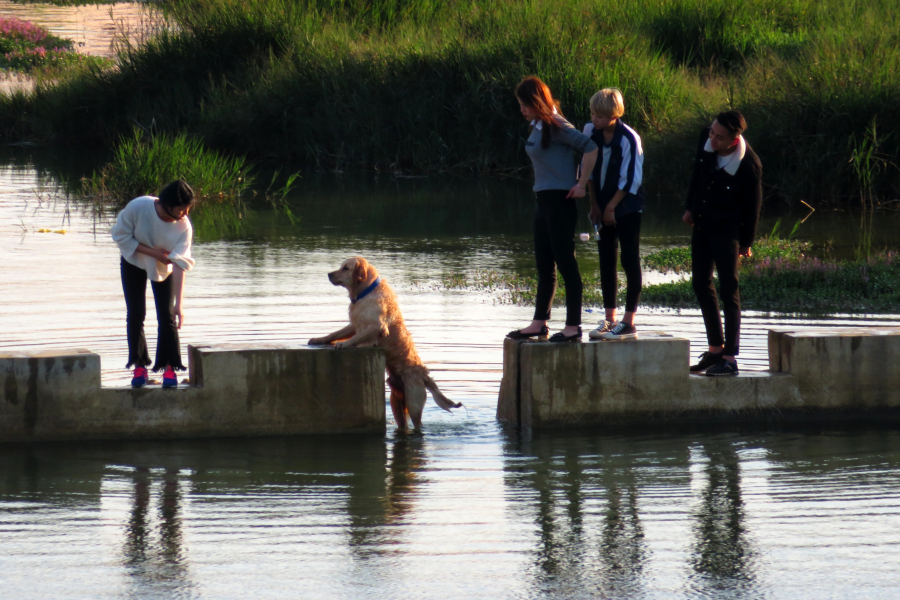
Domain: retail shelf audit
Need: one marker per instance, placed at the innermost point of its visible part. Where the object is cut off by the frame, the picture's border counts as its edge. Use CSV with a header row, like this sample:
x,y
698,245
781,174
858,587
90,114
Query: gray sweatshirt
x,y
554,166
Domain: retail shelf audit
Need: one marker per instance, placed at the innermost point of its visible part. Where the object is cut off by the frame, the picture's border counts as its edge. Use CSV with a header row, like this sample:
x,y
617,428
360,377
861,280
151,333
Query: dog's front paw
x,y
342,345
317,342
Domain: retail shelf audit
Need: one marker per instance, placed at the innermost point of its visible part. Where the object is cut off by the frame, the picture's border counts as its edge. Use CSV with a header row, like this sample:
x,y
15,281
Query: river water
x,y
468,509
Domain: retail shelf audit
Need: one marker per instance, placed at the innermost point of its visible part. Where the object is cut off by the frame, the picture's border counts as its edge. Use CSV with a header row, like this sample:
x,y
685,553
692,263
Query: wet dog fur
x,y
375,320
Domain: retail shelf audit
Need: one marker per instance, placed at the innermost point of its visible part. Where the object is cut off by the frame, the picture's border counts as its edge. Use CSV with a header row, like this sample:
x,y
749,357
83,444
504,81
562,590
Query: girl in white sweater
x,y
154,236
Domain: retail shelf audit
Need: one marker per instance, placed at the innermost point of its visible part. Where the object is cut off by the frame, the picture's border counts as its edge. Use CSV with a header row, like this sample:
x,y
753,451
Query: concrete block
x,y
314,389
508,400
243,391
46,391
843,368
574,384
748,392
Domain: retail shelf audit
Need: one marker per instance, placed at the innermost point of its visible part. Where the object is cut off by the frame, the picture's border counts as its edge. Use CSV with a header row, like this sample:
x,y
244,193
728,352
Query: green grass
x,y
426,85
804,286
143,163
782,276
765,250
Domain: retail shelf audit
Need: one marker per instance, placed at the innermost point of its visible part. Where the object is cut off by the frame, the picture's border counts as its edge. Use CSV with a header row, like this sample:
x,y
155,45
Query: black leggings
x,y
554,248
168,347
718,248
626,231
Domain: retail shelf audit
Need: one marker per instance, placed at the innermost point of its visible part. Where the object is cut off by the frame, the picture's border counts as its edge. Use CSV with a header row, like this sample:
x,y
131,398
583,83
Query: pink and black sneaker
x,y
170,378
140,377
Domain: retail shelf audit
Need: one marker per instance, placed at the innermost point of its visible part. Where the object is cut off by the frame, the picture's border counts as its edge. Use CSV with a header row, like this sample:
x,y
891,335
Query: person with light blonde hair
x,y
617,201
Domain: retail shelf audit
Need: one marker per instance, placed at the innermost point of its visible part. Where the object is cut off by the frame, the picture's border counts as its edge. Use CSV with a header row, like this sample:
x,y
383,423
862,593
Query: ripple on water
x,y
467,510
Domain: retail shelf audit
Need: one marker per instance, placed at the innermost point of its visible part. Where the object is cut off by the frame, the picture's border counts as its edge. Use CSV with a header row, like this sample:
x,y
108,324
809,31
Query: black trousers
x,y
627,232
554,248
718,247
168,347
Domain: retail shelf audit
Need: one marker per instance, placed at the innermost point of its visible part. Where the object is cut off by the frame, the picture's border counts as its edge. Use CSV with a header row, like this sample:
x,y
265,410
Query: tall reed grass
x,y
424,85
143,163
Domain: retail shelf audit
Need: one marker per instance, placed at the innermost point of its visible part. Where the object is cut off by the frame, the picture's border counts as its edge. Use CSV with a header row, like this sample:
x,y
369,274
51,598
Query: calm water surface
x,y
468,509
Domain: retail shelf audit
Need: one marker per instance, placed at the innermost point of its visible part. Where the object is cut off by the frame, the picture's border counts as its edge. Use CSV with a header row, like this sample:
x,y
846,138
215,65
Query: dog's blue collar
x,y
366,291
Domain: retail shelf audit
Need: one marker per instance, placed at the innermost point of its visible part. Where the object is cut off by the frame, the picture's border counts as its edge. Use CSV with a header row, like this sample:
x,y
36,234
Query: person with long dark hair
x,y
154,236
551,146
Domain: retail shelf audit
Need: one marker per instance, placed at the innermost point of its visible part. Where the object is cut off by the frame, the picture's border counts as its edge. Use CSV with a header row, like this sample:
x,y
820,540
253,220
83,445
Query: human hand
x,y
745,251
609,216
179,316
577,191
595,215
687,218
163,257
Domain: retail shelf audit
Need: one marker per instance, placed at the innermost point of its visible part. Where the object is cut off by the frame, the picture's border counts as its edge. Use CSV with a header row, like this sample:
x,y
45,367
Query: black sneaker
x,y
722,368
621,331
707,359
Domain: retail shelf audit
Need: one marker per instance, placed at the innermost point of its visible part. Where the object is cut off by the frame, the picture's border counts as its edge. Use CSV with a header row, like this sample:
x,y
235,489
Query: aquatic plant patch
x,y
791,282
144,162
27,47
804,286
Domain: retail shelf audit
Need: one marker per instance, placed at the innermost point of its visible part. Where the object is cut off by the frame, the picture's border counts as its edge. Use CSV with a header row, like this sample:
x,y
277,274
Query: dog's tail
x,y
439,398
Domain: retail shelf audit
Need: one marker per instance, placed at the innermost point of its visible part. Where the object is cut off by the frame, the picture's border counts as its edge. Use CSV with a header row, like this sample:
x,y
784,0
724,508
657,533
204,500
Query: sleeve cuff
x,y
185,262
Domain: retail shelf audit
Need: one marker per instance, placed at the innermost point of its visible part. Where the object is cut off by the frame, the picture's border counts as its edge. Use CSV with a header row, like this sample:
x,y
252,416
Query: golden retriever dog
x,y
375,320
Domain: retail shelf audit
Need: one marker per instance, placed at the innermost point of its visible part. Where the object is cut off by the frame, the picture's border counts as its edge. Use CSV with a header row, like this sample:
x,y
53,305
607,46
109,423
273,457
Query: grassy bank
x,y
782,276
425,85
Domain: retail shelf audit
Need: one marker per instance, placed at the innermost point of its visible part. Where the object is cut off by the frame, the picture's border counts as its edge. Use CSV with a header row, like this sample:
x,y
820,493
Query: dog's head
x,y
355,274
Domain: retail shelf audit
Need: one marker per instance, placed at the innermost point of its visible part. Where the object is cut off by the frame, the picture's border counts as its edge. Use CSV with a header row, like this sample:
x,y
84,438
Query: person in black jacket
x,y
723,206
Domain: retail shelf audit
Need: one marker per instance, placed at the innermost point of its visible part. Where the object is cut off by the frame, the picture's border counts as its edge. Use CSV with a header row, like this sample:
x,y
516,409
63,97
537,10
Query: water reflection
x,y
586,499
722,553
153,553
380,508
461,512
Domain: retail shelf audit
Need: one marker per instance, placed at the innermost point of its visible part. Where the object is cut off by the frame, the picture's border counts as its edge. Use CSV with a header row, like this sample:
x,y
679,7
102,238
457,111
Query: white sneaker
x,y
621,331
601,329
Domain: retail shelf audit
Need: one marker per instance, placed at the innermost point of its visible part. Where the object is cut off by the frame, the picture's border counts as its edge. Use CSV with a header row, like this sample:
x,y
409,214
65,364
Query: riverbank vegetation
x,y
29,48
223,184
426,85
782,276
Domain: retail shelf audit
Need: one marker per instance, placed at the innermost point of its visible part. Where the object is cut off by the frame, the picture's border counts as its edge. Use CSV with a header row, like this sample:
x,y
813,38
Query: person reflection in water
x,y
568,533
722,554
155,564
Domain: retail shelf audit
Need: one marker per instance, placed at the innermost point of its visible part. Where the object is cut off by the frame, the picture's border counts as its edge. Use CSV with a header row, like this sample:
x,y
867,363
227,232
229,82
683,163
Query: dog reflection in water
x,y
375,320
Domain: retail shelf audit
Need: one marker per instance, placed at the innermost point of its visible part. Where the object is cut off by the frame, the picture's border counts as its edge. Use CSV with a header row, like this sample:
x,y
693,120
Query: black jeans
x,y
627,232
168,347
554,248
719,248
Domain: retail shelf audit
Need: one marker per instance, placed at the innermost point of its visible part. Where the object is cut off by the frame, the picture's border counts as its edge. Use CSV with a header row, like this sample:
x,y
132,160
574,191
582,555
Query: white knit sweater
x,y
138,223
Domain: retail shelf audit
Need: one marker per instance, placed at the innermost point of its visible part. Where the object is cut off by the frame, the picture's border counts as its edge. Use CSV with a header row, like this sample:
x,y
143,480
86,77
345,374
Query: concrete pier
x,y
815,373
234,391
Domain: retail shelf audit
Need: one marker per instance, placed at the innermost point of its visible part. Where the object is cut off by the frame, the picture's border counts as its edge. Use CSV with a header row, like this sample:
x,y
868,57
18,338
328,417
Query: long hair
x,y
534,93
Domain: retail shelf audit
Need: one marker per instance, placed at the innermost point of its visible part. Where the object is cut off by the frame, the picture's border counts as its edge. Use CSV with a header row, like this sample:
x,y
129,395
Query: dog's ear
x,y
361,272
